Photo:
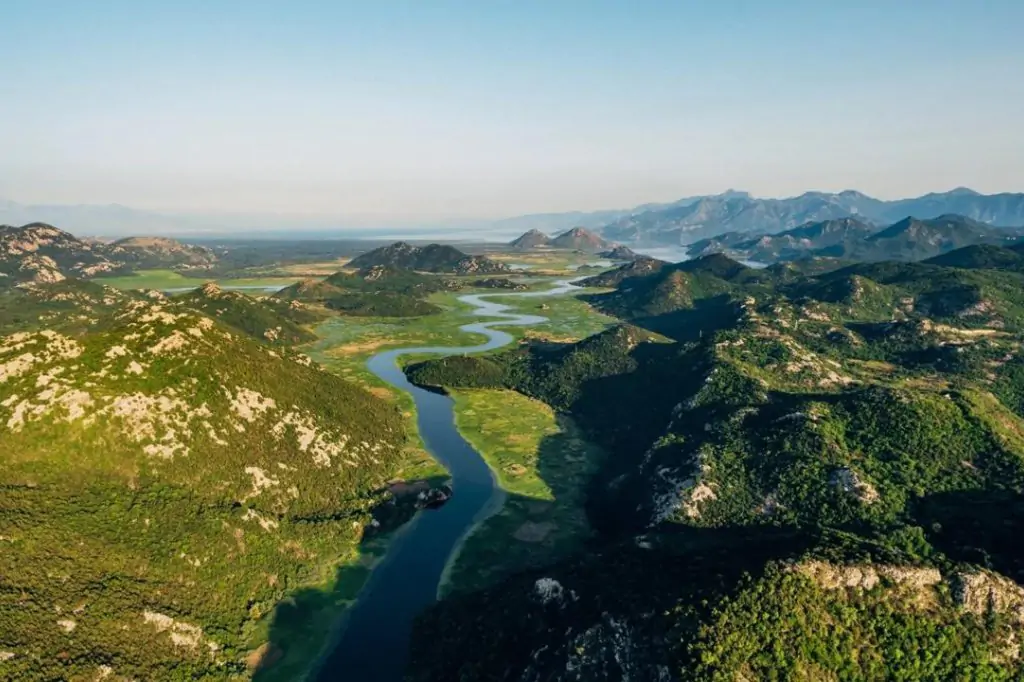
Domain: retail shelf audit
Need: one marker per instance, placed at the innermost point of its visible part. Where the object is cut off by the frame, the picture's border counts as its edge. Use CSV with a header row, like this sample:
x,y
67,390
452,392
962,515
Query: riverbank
x,y
542,464
373,643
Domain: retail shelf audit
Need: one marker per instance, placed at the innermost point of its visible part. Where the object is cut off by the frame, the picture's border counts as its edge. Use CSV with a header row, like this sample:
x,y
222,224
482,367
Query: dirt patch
x,y
515,469
550,338
360,347
534,532
403,488
263,657
381,392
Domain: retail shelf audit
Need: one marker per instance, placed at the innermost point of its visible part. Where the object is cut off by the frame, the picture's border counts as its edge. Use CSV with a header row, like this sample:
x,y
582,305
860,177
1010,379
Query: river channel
x,y
373,643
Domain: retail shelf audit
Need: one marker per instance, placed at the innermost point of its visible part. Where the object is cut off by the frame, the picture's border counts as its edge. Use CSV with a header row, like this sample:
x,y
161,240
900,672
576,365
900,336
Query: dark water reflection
x,y
373,645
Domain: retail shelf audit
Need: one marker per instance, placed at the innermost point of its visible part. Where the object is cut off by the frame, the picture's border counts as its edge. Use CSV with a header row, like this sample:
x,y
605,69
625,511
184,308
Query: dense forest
x,y
814,473
172,476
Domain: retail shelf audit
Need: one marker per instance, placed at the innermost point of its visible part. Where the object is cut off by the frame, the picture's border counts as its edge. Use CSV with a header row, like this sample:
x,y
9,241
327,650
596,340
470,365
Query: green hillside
x,y
270,320
375,291
437,258
815,480
168,484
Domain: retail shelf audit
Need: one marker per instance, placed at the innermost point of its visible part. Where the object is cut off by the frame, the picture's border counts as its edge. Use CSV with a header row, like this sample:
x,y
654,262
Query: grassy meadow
x,y
171,279
542,463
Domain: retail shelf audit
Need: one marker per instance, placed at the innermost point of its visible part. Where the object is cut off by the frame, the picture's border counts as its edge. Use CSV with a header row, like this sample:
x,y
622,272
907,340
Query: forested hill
x,y
437,258
172,477
38,252
811,475
909,239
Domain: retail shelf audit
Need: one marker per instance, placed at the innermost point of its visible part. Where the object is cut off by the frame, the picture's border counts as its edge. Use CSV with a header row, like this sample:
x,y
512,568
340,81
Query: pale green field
x,y
547,261
169,279
346,343
540,461
543,464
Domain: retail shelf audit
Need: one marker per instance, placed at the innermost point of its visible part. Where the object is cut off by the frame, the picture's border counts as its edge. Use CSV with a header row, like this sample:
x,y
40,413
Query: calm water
x,y
373,645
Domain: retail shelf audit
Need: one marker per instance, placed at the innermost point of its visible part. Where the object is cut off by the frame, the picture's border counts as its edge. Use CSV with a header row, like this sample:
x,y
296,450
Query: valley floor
x,y
542,463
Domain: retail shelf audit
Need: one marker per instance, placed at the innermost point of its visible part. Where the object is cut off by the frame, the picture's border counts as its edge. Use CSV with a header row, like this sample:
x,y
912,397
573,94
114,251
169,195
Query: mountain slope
x,y
785,478
714,215
437,258
640,267
145,253
270,320
914,239
801,241
982,256
372,291
167,483
42,253
530,240
620,253
994,209
854,240
580,239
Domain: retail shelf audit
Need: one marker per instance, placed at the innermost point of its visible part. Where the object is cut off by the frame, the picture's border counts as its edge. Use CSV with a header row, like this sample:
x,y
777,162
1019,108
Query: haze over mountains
x,y
679,222
43,253
853,239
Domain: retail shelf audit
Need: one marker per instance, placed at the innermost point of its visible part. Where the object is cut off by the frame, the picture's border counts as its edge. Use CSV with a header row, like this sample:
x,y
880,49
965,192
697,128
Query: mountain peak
x,y
530,239
439,258
963,191
581,239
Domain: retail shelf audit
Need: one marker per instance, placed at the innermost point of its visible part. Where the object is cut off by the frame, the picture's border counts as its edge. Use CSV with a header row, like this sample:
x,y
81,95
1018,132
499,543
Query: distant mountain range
x,y
736,212
852,239
675,223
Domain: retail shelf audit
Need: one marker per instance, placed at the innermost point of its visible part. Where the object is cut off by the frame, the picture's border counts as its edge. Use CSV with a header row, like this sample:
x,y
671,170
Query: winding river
x,y
373,644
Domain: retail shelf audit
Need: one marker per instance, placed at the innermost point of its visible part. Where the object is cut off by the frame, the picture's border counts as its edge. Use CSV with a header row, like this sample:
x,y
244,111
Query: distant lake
x,y
677,254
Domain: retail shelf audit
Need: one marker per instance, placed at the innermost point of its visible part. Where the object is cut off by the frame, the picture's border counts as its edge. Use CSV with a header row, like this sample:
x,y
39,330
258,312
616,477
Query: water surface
x,y
373,644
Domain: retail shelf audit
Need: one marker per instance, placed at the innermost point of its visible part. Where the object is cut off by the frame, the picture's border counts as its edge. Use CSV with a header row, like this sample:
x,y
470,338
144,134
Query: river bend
x,y
373,643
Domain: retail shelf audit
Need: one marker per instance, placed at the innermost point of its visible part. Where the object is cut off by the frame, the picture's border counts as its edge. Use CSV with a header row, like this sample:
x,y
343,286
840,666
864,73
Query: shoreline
x,y
340,621
502,314
493,507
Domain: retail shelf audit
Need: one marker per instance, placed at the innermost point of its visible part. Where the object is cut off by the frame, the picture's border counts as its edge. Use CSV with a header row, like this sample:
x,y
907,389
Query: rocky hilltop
x,y
177,483
42,253
160,252
530,240
620,253
581,239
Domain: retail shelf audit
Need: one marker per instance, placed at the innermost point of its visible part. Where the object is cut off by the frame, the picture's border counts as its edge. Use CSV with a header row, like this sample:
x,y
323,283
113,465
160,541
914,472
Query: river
x,y
374,640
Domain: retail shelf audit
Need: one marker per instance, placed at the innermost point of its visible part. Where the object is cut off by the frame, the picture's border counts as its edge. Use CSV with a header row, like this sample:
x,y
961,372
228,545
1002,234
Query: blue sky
x,y
485,108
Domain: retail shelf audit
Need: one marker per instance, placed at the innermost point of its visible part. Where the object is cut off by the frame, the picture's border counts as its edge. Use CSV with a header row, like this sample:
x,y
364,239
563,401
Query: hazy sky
x,y
491,107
